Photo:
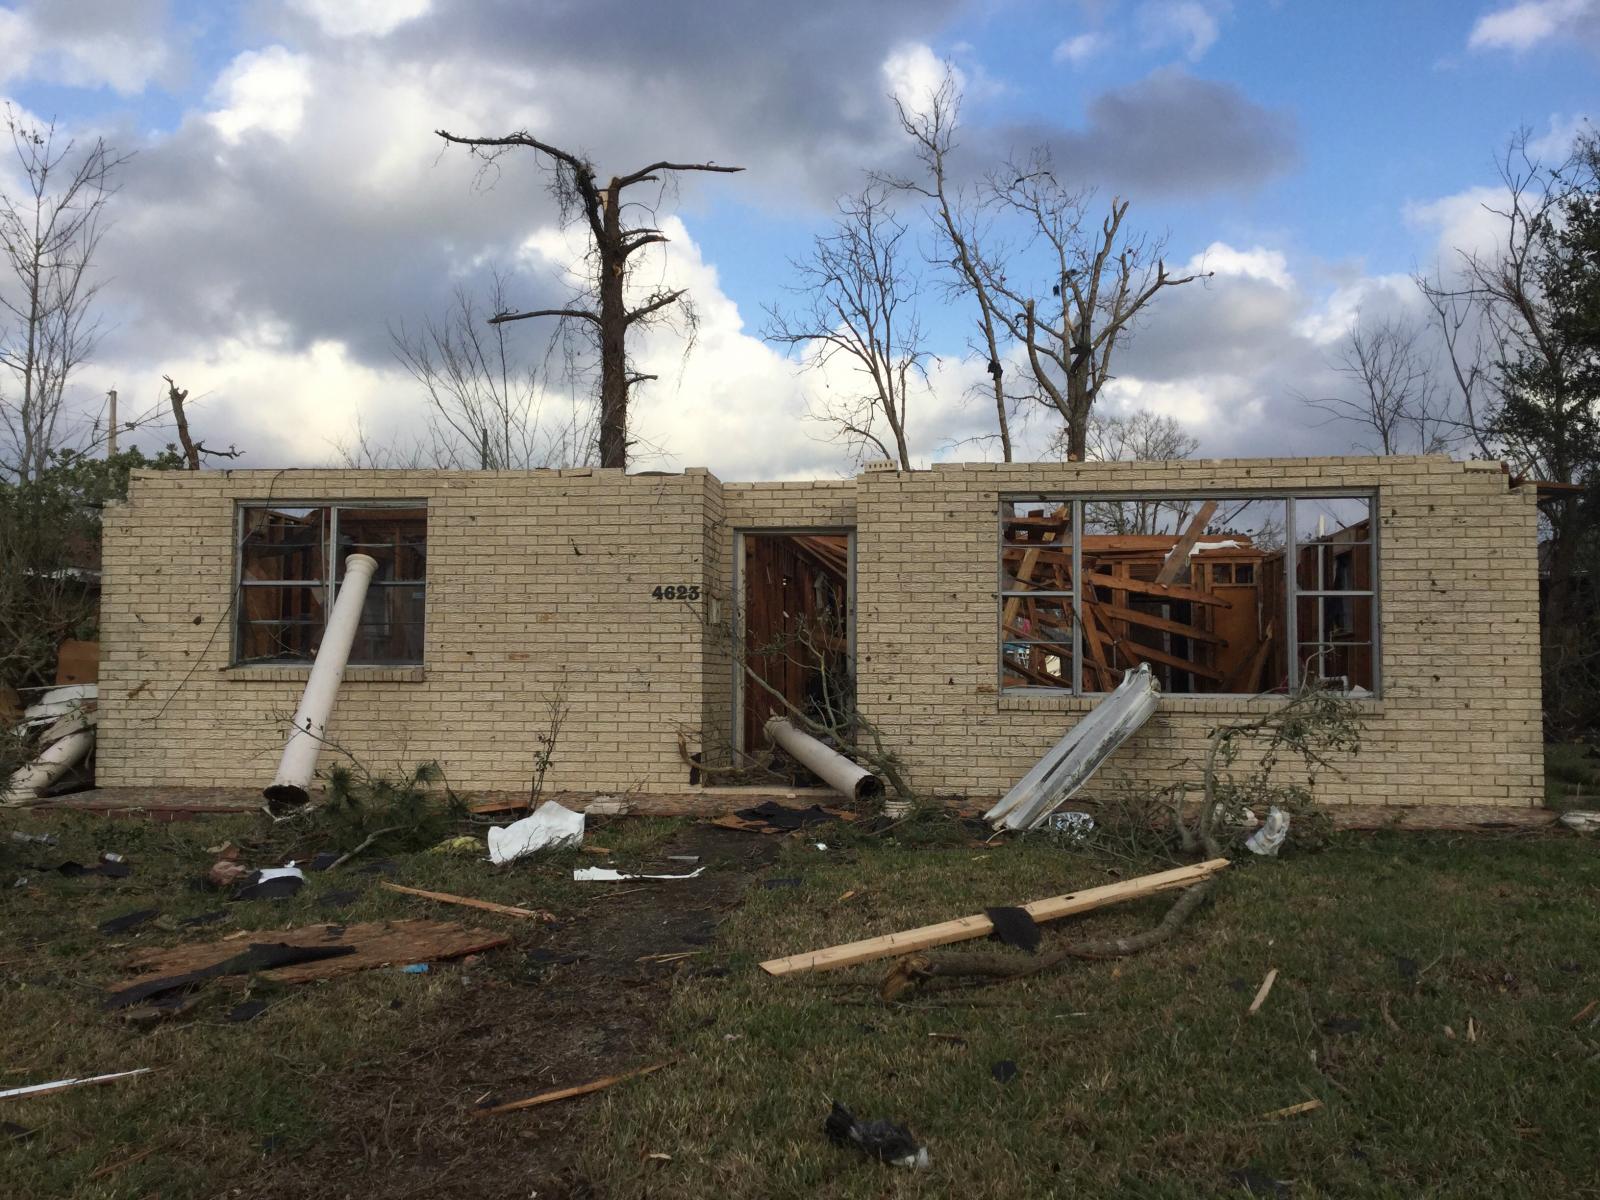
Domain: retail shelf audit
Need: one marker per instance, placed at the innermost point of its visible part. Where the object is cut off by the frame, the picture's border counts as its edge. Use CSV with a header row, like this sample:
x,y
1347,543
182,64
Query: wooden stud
x,y
583,1089
505,910
1177,560
966,928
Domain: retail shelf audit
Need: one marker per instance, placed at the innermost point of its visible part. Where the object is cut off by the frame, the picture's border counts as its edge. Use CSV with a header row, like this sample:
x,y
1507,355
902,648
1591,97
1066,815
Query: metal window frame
x,y
329,583
1292,591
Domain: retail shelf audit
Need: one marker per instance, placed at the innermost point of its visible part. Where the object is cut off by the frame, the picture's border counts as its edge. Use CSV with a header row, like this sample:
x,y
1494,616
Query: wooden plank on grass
x,y
505,910
966,928
583,1089
376,943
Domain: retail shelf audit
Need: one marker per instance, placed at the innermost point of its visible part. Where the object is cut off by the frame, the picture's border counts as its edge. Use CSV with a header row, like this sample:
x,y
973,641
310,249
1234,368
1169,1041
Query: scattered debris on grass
x,y
1014,927
1263,992
248,1011
1588,1011
128,920
301,955
967,928
1581,822
551,826
582,1089
1003,1071
1294,1110
609,875
61,1085
505,910
463,844
271,883
1268,840
879,1139
770,817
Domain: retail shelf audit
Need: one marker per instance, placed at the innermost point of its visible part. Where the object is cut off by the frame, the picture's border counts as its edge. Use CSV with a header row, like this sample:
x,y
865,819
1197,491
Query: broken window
x,y
1198,587
291,562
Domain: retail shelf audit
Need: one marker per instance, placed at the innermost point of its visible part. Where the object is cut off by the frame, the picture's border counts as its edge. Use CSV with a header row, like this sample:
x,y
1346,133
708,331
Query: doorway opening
x,y
798,629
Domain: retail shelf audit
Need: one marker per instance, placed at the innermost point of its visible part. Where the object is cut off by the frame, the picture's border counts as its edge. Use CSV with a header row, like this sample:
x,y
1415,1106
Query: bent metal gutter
x,y
1071,762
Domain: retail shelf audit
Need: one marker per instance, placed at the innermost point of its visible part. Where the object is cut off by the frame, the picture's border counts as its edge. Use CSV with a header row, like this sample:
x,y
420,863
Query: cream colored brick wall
x,y
538,583
1458,721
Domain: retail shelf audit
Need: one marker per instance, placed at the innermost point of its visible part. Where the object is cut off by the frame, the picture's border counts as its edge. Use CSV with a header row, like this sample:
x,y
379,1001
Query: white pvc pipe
x,y
833,768
299,760
55,761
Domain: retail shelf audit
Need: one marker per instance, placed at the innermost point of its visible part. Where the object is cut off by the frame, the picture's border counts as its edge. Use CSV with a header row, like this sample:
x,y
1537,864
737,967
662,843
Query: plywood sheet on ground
x,y
377,944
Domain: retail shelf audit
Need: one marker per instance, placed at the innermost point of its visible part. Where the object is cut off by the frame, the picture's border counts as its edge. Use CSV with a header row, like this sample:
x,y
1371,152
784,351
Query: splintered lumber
x,y
583,1089
1154,621
1024,580
1177,560
966,928
1263,991
1165,591
1139,653
505,910
374,944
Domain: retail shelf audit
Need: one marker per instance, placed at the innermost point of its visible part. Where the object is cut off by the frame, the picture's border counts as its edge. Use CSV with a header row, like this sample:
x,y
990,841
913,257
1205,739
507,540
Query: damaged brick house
x,y
1410,582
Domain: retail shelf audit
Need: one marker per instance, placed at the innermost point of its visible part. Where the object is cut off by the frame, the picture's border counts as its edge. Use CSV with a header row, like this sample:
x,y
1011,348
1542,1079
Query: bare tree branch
x,y
860,308
602,301
49,232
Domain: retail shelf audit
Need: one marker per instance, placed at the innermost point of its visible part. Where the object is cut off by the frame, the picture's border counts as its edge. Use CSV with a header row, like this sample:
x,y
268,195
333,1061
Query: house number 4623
x,y
677,591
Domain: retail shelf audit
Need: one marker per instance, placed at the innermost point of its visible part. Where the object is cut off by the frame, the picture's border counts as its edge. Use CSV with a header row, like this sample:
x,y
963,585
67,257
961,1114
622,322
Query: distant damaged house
x,y
978,610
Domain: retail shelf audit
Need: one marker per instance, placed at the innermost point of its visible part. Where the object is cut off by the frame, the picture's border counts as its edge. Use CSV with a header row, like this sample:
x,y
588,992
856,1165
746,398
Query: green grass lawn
x,y
1146,1077
1139,1078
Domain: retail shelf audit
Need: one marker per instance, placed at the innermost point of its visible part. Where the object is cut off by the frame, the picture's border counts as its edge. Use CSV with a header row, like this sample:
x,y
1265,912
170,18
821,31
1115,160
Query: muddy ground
x,y
570,1003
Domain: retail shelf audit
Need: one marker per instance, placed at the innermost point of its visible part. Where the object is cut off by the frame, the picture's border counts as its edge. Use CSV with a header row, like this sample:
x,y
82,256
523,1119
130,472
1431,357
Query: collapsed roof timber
x,y
670,616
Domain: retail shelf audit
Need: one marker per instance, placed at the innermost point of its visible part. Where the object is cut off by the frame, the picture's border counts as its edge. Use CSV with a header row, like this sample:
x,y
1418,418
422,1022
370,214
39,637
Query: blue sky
x,y
288,204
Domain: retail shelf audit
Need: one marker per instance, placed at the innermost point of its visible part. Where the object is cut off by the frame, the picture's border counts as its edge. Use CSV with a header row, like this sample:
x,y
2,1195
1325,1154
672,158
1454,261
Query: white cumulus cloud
x,y
261,91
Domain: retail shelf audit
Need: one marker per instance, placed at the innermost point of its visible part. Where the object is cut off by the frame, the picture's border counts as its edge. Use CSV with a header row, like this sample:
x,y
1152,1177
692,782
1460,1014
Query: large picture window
x,y
291,562
1220,595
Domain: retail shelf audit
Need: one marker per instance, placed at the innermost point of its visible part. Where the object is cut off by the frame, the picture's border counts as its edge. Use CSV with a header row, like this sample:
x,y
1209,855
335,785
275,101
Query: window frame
x,y
1078,500
329,584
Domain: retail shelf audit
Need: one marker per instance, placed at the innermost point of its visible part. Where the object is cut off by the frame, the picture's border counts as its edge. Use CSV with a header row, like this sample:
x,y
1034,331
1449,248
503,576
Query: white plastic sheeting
x,y
1270,836
1075,758
550,825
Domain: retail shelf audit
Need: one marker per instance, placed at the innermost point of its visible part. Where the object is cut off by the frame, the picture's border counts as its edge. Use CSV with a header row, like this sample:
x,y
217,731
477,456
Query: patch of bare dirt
x,y
557,1008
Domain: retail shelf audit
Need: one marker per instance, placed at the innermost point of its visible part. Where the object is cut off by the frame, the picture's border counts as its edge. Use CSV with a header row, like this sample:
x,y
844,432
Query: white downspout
x,y
833,768
299,761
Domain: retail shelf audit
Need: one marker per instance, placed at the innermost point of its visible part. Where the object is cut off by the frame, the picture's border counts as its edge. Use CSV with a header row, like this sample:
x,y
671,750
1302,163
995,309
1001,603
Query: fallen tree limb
x,y
916,970
967,928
